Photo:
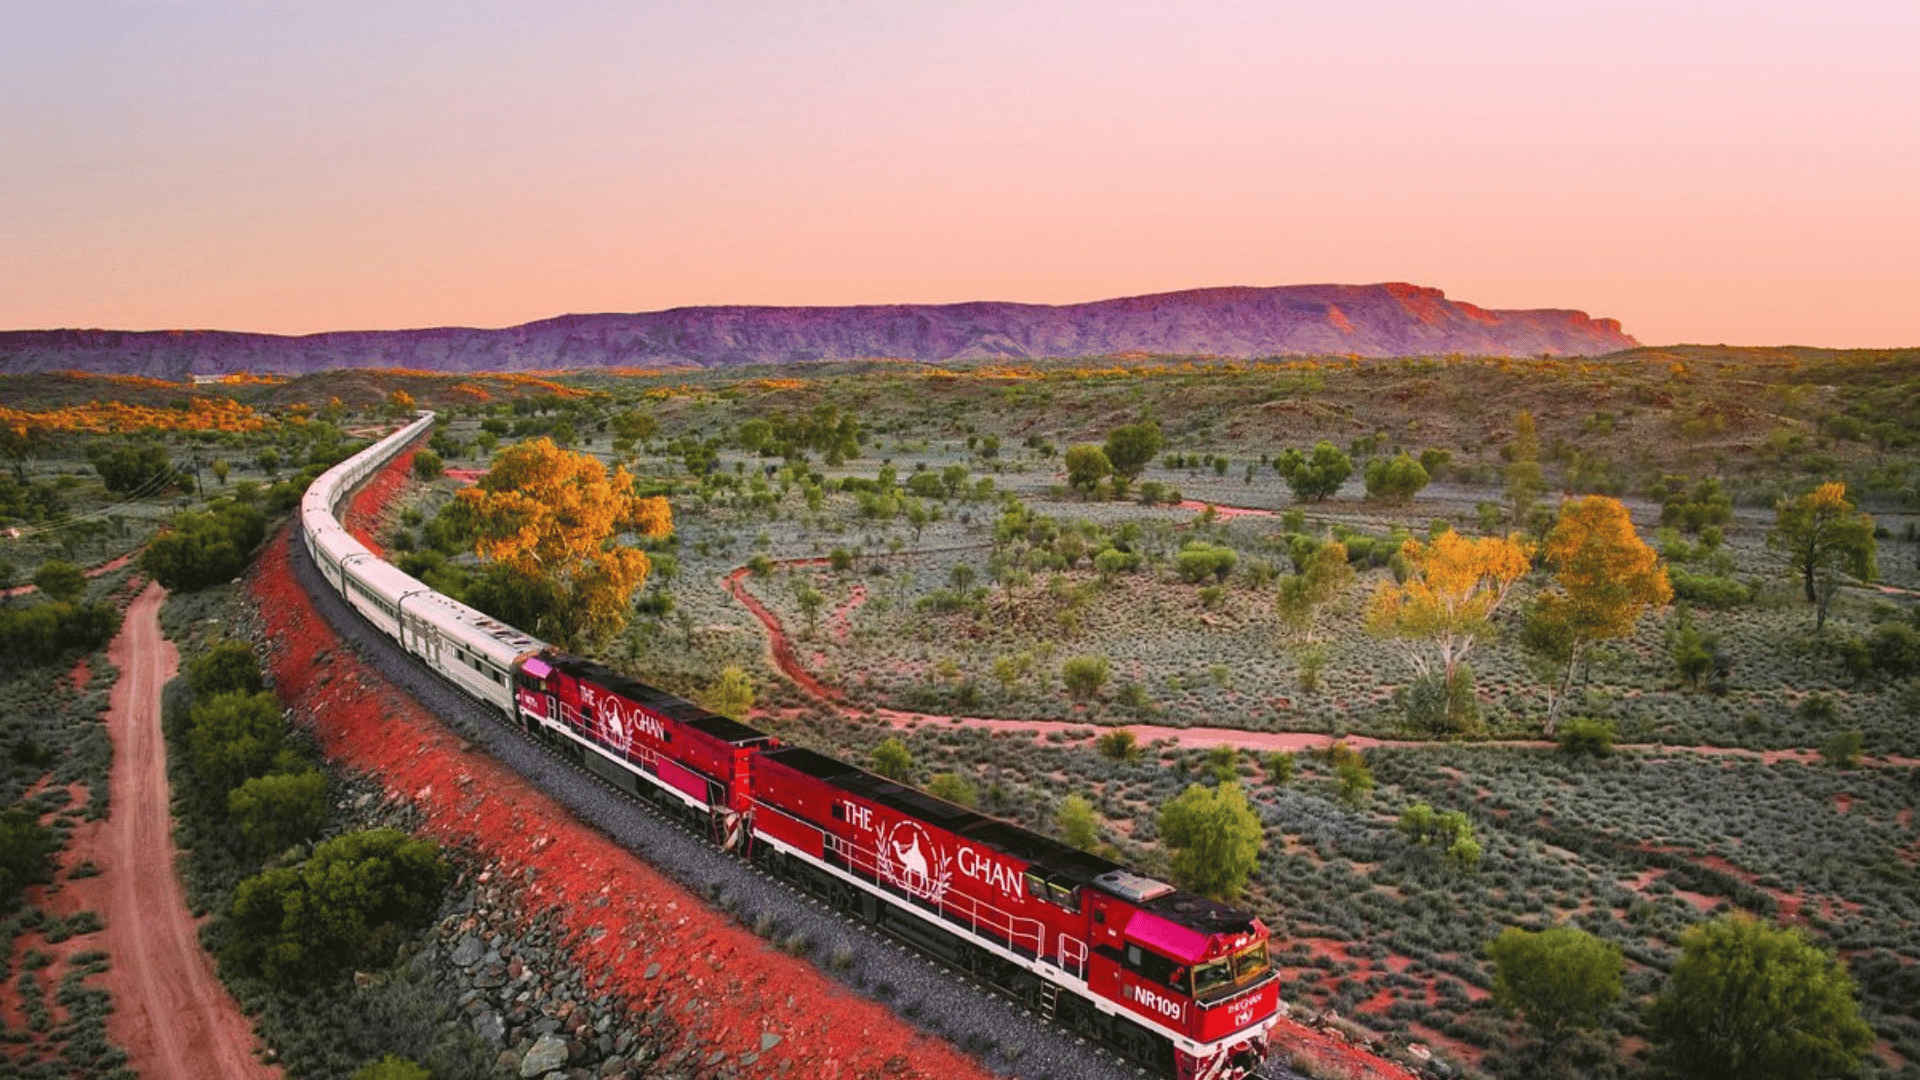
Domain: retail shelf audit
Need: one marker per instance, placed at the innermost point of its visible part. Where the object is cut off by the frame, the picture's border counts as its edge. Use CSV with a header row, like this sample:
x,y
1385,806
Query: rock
x,y
547,1055
490,1027
468,952
768,1040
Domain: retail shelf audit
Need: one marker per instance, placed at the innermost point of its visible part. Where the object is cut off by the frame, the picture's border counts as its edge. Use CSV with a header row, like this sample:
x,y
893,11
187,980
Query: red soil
x,y
725,985
1223,512
361,515
171,1014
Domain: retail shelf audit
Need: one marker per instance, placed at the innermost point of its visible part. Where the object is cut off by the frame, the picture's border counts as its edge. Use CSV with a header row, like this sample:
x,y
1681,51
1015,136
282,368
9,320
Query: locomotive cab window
x,y
1212,976
1153,966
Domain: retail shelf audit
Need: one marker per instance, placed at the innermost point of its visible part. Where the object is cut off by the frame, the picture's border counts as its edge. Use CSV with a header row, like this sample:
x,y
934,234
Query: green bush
x,y
1584,736
206,548
1084,675
1215,838
40,633
228,668
1200,560
1842,751
345,908
234,737
26,854
892,759
136,469
954,788
58,579
1394,480
273,812
1707,590
1120,744
427,465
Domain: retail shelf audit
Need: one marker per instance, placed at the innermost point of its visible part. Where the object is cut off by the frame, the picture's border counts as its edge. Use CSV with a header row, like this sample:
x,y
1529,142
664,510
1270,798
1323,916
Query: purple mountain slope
x,y
1238,322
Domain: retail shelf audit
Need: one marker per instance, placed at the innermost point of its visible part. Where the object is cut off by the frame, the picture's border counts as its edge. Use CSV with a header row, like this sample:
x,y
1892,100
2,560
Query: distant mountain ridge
x,y
1241,322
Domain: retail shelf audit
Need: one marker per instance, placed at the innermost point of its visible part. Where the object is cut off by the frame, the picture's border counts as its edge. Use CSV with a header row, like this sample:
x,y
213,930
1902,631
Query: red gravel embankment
x,y
729,987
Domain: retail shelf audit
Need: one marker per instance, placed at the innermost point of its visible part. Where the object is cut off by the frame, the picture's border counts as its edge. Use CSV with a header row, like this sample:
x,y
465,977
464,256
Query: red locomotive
x,y
1170,978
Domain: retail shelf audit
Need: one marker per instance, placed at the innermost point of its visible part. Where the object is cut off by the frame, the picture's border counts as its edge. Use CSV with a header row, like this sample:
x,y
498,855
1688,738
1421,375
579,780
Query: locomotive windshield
x,y
1239,969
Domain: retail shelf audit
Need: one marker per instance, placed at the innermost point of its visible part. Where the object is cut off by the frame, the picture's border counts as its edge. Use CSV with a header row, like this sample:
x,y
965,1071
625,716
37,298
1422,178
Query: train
x,y
1175,981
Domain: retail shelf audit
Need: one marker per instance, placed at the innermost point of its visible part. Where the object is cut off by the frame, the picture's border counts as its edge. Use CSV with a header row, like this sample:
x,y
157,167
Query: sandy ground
x,y
171,1014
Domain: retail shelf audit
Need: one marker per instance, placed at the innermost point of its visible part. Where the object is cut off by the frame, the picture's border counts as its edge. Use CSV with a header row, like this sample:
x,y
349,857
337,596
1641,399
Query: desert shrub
x,y
136,469
1394,480
26,854
1084,675
346,907
892,759
1842,751
206,548
1120,744
427,465
954,788
40,633
1079,826
1584,736
58,579
1199,560
227,668
1894,648
234,737
392,1067
1706,589
1441,704
273,812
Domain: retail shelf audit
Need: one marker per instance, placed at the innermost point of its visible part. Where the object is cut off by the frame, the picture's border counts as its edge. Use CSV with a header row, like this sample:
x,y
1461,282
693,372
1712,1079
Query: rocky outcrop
x,y
1238,322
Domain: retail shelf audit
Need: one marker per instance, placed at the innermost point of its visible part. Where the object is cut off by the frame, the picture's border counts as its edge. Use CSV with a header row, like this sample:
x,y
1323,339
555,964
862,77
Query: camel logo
x,y
909,859
617,734
620,722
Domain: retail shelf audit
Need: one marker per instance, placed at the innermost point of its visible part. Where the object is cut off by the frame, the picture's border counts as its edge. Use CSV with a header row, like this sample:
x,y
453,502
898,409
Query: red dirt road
x,y
171,1014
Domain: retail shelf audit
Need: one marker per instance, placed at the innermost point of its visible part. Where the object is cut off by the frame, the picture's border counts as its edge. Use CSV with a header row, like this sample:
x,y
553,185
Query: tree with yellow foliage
x,y
1454,585
1822,535
1604,577
399,404
556,517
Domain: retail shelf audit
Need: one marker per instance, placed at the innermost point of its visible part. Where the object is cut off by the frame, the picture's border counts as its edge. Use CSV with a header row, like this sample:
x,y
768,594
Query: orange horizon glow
x,y
1715,174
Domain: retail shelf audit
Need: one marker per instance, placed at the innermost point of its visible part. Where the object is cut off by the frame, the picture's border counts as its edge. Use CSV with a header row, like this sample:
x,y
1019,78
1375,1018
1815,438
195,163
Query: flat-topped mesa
x,y
1239,322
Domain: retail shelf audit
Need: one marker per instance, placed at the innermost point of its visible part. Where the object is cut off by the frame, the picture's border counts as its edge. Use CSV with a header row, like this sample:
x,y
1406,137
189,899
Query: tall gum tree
x,y
1822,535
1604,577
558,516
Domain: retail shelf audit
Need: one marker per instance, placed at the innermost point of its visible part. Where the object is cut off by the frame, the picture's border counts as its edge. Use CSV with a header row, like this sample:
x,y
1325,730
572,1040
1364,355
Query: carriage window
x,y
1036,886
1063,896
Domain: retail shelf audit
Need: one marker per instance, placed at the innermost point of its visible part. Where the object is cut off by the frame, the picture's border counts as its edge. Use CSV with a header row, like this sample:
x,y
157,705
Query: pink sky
x,y
1707,171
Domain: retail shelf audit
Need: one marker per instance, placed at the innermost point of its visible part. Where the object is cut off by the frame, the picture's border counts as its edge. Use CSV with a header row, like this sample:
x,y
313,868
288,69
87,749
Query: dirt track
x,y
171,1014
